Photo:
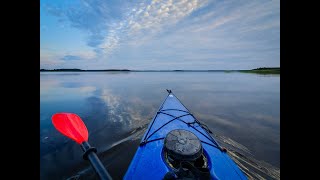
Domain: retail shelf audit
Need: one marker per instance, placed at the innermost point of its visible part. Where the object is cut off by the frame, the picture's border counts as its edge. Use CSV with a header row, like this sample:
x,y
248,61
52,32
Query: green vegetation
x,y
229,71
263,70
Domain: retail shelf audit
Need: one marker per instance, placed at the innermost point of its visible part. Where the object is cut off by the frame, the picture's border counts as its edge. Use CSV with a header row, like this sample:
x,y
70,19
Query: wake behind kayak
x,y
177,146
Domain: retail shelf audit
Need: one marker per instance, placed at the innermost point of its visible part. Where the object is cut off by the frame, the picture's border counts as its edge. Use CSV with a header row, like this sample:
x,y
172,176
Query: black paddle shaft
x,y
90,154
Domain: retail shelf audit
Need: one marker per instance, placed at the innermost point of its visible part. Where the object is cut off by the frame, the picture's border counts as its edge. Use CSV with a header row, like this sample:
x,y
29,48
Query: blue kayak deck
x,y
148,161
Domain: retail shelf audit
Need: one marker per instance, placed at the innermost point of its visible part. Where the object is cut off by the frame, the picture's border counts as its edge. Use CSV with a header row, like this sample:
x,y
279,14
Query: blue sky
x,y
159,34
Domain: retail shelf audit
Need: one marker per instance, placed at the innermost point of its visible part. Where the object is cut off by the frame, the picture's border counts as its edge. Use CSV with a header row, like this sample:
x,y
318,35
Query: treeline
x,y
264,70
267,68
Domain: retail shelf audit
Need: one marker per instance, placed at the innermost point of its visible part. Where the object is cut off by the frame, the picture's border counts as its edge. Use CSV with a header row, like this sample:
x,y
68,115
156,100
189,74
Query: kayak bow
x,y
176,146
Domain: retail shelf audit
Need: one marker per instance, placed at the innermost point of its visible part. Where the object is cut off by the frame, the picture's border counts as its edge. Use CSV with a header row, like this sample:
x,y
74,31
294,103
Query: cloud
x,y
71,57
183,32
148,19
106,33
51,58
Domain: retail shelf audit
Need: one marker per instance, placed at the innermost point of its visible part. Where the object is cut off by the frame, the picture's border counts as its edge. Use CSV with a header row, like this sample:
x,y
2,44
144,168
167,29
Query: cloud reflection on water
x,y
244,108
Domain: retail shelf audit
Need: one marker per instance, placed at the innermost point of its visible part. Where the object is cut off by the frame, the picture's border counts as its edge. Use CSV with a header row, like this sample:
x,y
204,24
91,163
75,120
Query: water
x,y
242,109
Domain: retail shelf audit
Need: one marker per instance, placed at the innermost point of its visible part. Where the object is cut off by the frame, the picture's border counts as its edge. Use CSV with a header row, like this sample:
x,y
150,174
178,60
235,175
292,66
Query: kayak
x,y
178,146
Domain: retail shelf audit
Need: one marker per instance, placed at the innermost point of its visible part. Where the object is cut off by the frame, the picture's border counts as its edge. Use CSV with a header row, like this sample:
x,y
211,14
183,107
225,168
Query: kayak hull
x,y
148,161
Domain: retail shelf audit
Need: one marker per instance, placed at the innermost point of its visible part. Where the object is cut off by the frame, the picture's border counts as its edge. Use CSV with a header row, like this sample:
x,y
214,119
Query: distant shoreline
x,y
263,70
79,70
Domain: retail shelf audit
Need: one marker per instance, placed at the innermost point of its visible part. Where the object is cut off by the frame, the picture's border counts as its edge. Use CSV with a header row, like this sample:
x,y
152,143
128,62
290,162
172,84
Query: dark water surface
x,y
242,110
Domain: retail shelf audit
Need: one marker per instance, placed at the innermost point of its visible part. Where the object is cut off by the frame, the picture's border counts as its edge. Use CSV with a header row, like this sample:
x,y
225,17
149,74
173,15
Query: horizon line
x,y
77,69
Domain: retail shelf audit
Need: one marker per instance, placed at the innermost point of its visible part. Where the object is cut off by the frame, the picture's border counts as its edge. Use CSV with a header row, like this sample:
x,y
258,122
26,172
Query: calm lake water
x,y
242,110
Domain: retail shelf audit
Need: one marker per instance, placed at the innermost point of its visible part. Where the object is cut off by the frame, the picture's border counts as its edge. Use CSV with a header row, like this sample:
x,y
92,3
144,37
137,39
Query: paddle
x,y
72,126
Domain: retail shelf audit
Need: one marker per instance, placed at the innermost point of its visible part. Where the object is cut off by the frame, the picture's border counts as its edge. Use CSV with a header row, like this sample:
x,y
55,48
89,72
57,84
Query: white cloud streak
x,y
193,33
147,19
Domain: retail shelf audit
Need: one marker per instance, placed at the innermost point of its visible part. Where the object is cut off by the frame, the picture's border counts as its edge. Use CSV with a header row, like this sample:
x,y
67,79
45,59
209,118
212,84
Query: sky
x,y
159,34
